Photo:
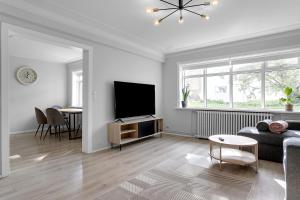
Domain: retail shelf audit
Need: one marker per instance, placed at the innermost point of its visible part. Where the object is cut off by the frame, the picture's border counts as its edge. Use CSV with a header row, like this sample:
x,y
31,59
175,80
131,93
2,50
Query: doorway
x,y
83,81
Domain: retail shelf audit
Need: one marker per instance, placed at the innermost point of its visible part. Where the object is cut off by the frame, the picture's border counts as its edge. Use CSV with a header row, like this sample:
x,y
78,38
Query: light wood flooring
x,y
58,170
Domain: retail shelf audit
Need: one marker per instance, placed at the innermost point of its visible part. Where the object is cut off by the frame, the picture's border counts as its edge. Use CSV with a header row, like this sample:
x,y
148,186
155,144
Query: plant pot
x,y
184,104
289,107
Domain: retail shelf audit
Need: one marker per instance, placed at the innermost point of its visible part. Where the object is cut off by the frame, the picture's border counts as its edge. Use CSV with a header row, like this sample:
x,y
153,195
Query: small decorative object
x,y
289,99
26,75
185,95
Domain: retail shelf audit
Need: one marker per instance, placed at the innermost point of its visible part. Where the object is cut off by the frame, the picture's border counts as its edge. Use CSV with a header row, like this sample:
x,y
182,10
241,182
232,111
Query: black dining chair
x,y
55,119
41,120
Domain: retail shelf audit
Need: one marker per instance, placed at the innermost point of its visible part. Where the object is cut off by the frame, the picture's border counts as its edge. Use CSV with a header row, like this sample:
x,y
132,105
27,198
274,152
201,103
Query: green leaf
x,y
283,100
185,93
288,91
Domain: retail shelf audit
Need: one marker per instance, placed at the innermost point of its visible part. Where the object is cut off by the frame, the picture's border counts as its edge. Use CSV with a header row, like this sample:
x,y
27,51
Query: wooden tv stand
x,y
120,133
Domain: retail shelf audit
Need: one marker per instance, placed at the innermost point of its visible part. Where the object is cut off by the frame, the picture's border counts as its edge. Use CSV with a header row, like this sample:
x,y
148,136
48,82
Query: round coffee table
x,y
228,148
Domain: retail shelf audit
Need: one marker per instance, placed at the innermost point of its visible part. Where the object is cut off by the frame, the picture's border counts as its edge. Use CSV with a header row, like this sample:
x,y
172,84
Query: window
x,y
276,81
77,88
218,91
247,90
254,82
196,88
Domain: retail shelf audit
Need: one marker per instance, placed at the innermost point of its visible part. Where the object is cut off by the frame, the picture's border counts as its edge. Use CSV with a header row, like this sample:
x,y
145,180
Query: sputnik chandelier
x,y
182,6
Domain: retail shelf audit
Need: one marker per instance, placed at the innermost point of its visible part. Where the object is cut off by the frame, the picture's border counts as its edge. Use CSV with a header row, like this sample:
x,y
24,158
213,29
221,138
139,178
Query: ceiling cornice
x,y
82,28
266,33
243,42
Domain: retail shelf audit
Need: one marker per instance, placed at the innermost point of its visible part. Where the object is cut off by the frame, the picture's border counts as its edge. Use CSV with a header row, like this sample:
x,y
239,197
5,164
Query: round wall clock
x,y
26,75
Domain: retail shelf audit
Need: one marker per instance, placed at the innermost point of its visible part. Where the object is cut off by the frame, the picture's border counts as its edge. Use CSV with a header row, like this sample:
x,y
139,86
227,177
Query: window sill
x,y
239,110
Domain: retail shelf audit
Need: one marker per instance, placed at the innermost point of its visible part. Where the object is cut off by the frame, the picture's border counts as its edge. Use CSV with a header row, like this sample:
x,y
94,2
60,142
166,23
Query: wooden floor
x,y
58,170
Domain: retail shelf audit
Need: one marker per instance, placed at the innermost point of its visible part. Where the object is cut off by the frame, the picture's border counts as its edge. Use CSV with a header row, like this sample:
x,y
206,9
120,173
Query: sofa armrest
x,y
292,167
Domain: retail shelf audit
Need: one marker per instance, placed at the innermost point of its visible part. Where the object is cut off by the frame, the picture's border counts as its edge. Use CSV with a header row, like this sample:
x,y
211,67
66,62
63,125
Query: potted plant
x,y
289,99
185,95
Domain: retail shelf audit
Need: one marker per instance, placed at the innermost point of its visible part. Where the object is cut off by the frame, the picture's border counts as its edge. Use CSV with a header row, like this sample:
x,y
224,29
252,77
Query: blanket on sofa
x,y
278,127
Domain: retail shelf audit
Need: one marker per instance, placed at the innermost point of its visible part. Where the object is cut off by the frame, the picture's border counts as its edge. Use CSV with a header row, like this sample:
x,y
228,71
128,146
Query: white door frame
x,y
4,94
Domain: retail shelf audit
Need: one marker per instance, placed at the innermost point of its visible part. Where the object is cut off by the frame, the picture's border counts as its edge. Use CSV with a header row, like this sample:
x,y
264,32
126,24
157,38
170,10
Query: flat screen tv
x,y
134,99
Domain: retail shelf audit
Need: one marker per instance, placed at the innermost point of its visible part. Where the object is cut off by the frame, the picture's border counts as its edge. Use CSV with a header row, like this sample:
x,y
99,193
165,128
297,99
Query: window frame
x,y
264,59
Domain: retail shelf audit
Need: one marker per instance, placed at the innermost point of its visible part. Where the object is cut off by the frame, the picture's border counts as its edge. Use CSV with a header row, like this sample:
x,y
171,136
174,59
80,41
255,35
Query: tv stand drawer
x,y
146,128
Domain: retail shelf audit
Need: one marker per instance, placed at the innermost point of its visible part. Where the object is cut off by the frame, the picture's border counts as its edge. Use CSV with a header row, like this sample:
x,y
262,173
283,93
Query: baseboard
x,y
101,149
30,131
22,132
179,134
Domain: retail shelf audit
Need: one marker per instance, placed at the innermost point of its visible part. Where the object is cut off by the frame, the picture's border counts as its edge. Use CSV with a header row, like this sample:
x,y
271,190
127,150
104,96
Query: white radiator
x,y
226,122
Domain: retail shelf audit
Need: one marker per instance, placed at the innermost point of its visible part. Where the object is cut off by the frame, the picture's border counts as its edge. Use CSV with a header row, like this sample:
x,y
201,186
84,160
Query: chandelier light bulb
x,y
180,20
149,10
215,2
205,17
156,22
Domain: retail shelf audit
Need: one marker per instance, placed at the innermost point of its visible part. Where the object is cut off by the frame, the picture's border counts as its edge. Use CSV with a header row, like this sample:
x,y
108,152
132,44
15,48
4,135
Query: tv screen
x,y
134,99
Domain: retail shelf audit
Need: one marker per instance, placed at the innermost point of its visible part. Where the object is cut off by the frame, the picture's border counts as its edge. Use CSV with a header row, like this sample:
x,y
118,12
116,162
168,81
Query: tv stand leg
x,y
120,147
119,120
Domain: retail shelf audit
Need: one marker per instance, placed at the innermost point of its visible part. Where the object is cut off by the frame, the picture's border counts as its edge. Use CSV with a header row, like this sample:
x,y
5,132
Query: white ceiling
x,y
230,20
33,47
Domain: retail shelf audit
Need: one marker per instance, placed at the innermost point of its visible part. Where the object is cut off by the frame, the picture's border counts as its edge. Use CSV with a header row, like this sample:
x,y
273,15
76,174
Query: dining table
x,y
73,114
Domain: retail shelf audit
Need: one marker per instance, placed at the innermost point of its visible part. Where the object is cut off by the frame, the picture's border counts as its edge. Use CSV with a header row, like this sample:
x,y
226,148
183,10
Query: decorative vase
x,y
184,104
289,107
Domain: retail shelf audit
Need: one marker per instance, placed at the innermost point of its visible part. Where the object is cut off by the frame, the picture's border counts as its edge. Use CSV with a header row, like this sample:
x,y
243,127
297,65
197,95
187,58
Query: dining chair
x,y
57,107
55,119
41,120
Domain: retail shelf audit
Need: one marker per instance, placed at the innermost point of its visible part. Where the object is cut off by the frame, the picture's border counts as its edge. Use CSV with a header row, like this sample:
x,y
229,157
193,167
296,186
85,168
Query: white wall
x,y
112,65
183,121
71,67
49,89
115,65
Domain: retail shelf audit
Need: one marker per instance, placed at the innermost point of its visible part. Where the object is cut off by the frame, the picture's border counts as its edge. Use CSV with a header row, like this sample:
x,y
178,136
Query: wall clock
x,y
26,75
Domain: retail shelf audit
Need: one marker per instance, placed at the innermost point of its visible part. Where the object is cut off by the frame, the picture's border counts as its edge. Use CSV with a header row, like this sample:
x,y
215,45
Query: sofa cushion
x,y
267,137
292,133
261,136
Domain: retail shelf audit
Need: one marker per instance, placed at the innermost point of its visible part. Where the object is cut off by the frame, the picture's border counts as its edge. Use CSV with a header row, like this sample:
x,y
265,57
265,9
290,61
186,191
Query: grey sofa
x,y
291,164
281,148
270,145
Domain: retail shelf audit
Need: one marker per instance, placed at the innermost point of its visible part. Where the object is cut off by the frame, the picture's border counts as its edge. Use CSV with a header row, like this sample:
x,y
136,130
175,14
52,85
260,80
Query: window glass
x,y
288,62
214,70
275,82
77,88
192,72
247,66
218,91
247,90
195,85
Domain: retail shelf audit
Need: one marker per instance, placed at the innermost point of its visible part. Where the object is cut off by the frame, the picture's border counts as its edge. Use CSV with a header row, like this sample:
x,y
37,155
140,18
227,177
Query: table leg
x,y
74,121
220,164
210,151
69,128
256,156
